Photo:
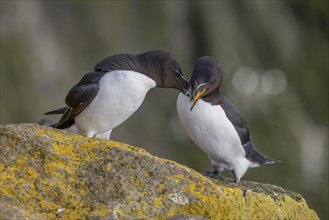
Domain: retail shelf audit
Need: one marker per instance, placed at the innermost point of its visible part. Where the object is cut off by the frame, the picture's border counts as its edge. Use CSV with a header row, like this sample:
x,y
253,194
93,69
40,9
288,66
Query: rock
x,y
48,173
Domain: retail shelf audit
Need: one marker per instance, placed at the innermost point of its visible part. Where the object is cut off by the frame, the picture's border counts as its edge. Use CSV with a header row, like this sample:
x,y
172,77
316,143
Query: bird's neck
x,y
151,68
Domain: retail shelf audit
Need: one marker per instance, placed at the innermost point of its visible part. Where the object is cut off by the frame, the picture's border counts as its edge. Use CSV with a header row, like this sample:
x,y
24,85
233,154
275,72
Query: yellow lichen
x,y
197,190
158,202
102,210
2,167
161,187
46,206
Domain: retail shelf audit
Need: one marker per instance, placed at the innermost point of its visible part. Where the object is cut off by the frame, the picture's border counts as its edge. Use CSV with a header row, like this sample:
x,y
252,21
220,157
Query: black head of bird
x,y
206,78
168,74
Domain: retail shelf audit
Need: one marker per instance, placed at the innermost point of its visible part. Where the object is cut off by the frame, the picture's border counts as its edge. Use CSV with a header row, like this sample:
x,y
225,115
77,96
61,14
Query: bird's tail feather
x,y
57,111
62,124
254,155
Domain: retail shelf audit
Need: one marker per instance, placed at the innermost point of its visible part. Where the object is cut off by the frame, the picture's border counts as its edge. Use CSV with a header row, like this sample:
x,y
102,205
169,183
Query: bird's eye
x,y
177,71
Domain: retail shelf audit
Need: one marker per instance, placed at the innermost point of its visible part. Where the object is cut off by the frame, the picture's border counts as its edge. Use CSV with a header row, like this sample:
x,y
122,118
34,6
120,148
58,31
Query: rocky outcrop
x,y
48,173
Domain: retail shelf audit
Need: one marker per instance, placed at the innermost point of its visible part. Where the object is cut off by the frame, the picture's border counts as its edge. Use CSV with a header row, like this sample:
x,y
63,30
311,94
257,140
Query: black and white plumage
x,y
215,124
115,89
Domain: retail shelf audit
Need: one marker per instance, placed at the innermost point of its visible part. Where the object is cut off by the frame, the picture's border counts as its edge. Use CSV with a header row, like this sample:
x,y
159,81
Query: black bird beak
x,y
196,96
186,87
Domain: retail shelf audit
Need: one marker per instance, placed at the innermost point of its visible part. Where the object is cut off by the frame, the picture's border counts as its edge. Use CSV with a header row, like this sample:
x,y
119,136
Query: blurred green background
x,y
274,55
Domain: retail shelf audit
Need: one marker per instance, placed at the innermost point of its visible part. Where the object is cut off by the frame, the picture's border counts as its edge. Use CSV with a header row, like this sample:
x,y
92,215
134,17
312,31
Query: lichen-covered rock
x,y
48,173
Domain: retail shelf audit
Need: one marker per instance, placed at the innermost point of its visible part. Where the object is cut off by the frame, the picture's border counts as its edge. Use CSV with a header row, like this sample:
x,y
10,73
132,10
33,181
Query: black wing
x,y
240,125
79,97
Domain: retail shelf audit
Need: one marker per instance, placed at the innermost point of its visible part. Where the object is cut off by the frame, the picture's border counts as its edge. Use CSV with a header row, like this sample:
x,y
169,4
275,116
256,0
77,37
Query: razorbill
x,y
215,125
107,96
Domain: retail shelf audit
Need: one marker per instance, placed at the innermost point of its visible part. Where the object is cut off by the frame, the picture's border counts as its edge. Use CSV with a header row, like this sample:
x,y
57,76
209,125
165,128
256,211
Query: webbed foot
x,y
212,174
235,183
236,180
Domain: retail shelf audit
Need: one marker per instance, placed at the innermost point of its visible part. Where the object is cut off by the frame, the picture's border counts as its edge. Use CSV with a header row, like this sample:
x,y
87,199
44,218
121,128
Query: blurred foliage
x,y
274,55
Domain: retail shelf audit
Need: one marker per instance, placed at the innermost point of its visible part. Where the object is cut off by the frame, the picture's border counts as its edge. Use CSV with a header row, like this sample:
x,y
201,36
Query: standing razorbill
x,y
215,124
115,89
